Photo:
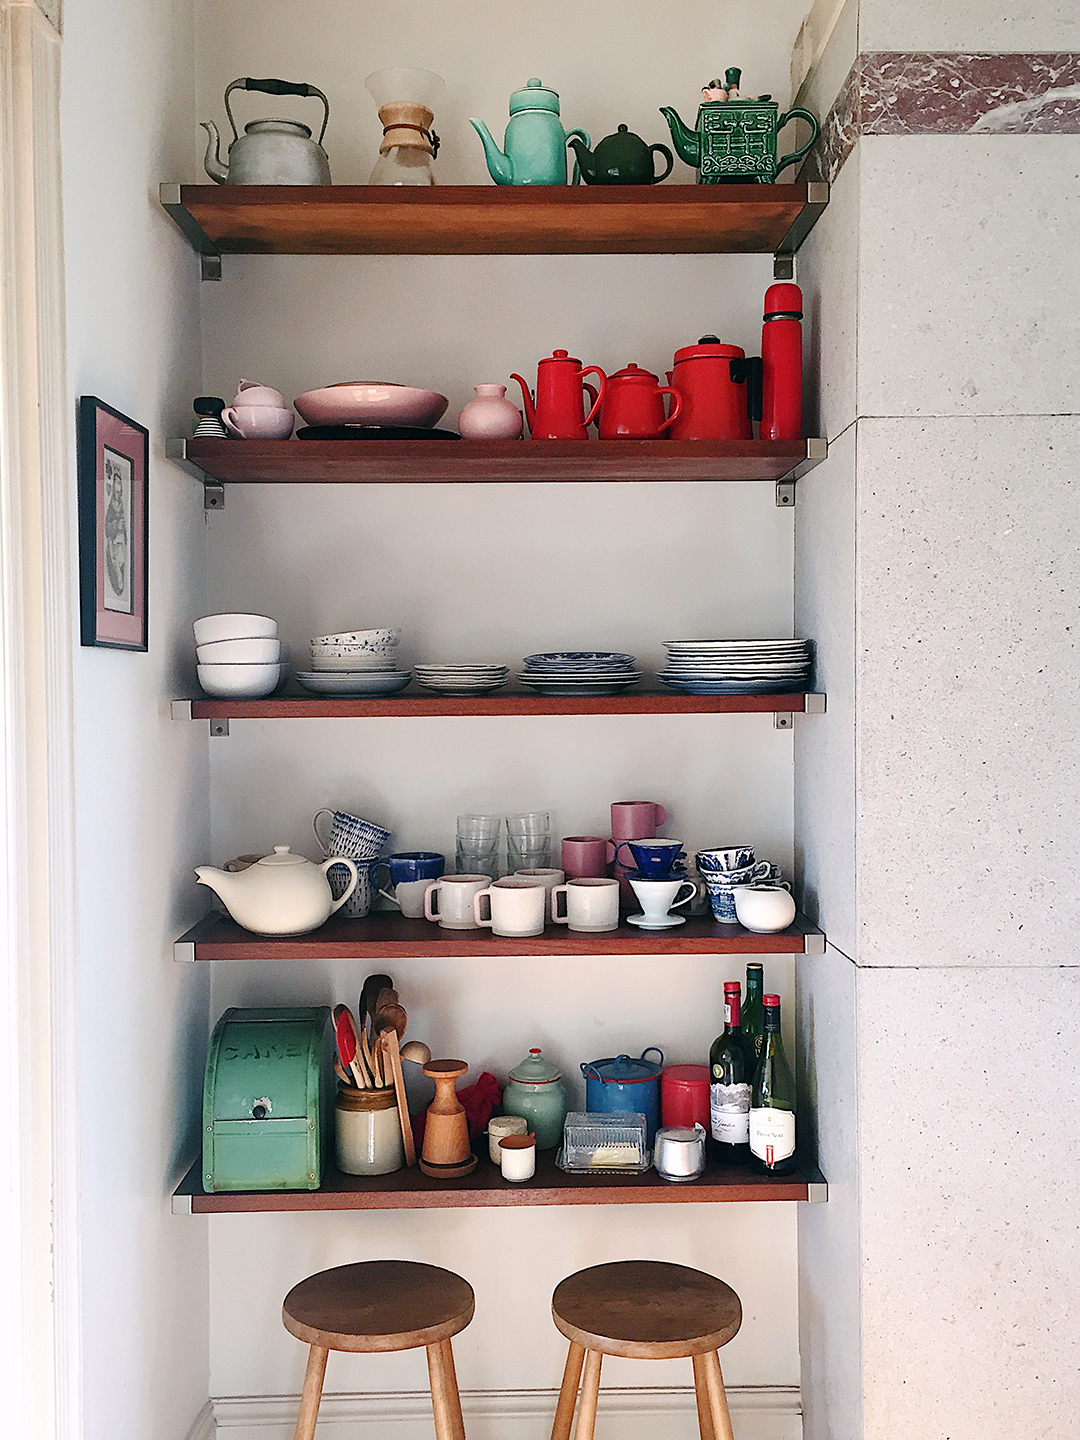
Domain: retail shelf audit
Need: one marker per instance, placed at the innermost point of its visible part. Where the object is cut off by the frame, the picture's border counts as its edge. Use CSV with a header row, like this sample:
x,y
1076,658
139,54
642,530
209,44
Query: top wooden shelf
x,y
495,219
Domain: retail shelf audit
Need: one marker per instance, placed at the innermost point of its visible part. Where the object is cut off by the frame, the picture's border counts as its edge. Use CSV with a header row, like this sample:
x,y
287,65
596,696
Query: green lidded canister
x,y
267,1099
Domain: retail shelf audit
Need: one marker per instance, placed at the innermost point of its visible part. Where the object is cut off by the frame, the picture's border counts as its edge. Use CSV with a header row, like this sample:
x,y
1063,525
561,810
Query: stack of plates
x,y
579,672
355,662
737,667
462,679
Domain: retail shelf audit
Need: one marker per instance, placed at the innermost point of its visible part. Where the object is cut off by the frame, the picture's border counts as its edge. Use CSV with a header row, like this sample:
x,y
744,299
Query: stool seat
x,y
646,1310
378,1305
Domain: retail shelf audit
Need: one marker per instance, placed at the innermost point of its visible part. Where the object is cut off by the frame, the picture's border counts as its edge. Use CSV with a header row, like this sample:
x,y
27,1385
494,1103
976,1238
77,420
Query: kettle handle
x,y
590,1072
278,87
594,370
656,1050
350,865
676,406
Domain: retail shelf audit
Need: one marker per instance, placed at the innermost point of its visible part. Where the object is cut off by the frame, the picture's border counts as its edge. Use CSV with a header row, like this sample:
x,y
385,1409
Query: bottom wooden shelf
x,y
412,1190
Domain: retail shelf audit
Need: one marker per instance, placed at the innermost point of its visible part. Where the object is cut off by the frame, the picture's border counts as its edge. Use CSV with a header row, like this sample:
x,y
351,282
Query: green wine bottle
x,y
729,1085
753,1015
772,1101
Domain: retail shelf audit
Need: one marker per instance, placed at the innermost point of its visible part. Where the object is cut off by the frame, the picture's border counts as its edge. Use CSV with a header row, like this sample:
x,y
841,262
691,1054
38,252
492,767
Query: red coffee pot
x,y
632,407
559,412
720,390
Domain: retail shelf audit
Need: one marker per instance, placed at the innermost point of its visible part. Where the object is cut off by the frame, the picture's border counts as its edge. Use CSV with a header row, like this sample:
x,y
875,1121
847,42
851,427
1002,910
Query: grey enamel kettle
x,y
270,152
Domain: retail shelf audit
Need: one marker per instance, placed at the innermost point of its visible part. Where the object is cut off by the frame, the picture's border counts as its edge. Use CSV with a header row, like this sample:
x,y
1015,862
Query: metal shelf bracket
x,y
783,720
785,494
219,729
204,247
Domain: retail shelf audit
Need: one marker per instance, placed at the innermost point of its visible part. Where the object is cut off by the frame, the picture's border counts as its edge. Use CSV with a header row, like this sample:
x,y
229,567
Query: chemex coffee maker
x,y
409,143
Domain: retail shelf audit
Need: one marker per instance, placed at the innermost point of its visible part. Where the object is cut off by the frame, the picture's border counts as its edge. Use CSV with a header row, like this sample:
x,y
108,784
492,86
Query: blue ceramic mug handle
x,y
632,863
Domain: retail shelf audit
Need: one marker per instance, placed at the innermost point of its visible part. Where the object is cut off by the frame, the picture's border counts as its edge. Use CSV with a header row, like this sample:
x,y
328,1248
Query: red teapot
x,y
720,390
559,411
632,407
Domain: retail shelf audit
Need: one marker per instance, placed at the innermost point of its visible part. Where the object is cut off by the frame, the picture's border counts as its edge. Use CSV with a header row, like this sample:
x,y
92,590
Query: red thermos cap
x,y
783,300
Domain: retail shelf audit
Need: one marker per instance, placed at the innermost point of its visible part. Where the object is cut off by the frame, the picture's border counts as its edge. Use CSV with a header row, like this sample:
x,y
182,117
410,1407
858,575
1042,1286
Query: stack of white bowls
x,y
355,662
239,656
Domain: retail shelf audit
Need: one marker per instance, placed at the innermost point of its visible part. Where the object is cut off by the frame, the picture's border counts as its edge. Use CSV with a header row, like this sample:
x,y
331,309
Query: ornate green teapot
x,y
734,141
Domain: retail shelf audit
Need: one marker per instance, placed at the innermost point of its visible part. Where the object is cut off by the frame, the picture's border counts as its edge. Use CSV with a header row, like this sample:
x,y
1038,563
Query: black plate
x,y
373,432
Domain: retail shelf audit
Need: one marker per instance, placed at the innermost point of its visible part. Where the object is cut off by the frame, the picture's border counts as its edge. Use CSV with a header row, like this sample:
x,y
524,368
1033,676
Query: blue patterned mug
x,y
410,872
725,858
350,835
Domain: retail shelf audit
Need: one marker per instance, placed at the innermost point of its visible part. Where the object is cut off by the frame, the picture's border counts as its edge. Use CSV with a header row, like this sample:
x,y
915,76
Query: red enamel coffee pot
x,y
559,411
720,390
633,406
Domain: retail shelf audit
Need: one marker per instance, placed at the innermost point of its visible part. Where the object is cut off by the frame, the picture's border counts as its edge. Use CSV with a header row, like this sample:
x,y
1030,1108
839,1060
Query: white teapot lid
x,y
283,856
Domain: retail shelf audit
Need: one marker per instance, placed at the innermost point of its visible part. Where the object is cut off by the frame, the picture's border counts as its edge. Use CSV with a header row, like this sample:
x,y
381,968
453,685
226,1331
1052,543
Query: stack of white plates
x,y
737,667
355,662
579,672
462,679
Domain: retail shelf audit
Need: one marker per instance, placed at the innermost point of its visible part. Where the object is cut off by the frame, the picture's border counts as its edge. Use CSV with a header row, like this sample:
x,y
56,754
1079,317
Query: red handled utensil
x,y
345,1033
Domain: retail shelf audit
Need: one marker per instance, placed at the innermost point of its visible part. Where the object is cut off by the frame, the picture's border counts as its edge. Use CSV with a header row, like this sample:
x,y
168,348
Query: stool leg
x,y
590,1394
564,1412
312,1393
445,1401
718,1406
701,1392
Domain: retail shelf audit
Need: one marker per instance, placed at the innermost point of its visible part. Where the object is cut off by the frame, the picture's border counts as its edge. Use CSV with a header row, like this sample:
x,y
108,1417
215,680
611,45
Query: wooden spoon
x,y
391,1016
416,1051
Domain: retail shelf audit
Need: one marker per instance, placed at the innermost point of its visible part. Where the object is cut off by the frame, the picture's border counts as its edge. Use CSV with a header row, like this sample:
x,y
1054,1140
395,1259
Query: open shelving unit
x,y
326,707
412,1190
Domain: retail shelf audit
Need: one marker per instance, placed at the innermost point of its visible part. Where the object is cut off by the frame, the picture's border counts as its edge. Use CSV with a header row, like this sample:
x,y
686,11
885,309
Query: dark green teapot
x,y
620,159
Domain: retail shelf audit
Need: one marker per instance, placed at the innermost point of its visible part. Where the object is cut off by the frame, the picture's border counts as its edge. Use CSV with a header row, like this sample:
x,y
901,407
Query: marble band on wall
x,y
946,93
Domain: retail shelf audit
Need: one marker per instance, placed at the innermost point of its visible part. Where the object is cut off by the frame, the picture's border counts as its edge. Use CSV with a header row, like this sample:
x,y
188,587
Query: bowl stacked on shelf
x,y
737,667
355,663
463,679
579,672
239,656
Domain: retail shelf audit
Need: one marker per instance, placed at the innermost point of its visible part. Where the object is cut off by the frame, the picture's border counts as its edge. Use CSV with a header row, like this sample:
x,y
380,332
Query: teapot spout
x,y
499,165
220,881
527,400
585,160
212,161
687,142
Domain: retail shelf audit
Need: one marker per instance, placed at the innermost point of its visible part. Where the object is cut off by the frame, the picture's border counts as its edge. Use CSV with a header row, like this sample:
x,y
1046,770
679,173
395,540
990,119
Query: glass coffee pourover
x,y
409,144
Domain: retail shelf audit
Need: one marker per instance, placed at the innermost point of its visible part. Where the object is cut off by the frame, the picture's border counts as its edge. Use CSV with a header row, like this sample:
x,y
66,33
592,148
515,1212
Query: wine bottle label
x,y
729,1113
772,1134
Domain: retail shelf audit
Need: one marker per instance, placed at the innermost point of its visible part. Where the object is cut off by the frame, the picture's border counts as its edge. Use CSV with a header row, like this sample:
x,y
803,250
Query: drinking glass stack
x,y
477,848
528,841
737,667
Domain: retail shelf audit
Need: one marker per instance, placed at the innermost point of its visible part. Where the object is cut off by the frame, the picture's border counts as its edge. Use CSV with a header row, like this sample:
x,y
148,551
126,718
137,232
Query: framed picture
x,y
114,457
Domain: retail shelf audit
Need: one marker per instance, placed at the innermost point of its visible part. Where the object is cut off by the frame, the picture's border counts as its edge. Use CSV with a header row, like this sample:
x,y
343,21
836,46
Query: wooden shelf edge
x,y
387,935
485,1188
420,706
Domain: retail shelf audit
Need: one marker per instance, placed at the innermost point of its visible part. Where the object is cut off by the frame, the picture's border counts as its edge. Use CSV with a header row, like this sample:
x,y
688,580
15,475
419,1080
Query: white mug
x,y
764,909
543,876
449,900
589,904
408,895
657,897
515,907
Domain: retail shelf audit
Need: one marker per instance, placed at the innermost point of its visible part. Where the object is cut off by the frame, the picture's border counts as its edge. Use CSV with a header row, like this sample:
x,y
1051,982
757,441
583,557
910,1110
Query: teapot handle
x,y
663,150
278,87
582,135
351,867
676,406
594,370
796,155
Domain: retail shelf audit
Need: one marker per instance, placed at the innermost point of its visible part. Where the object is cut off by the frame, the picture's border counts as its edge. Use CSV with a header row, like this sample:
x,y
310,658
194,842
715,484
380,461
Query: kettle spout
x,y
687,142
212,161
585,160
499,165
220,881
526,396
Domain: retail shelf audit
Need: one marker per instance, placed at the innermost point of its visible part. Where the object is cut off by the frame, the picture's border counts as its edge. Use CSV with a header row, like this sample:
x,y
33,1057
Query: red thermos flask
x,y
781,357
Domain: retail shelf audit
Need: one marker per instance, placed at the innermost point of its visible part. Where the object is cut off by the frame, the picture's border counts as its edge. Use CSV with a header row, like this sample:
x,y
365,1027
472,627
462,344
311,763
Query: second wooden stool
x,y
376,1306
644,1310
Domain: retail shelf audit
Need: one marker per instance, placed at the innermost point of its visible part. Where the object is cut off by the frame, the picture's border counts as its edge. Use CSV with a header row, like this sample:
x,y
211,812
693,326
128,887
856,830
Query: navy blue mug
x,y
654,859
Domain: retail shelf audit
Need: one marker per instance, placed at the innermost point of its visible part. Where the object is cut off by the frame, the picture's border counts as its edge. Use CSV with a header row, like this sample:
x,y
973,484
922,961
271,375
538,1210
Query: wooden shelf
x,y
386,935
442,462
412,1190
418,706
495,219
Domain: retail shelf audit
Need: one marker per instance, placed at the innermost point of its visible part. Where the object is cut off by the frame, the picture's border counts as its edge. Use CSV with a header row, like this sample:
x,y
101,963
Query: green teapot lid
x,y
535,96
535,1070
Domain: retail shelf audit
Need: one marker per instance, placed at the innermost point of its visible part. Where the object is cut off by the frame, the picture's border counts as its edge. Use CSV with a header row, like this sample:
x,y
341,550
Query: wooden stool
x,y
645,1310
377,1306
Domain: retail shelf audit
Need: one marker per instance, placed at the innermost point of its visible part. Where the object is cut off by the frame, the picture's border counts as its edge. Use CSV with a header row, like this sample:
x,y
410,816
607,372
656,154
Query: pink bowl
x,y
368,403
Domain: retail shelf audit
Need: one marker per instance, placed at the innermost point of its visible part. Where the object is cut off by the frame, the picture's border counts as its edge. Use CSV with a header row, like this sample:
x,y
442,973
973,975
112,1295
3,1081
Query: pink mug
x,y
584,857
636,819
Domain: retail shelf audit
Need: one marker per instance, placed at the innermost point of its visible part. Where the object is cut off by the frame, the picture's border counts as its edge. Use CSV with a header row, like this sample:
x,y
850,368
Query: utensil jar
x,y
368,1132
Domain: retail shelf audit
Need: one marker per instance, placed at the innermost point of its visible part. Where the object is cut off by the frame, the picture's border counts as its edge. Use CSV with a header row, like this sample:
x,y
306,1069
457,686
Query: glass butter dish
x,y
604,1144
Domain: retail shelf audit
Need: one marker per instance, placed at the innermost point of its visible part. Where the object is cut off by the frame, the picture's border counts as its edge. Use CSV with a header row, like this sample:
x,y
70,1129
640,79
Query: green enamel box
x,y
267,1099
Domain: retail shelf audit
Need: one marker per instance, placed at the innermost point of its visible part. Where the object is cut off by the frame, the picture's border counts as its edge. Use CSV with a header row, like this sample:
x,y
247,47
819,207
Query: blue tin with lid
x,y
624,1083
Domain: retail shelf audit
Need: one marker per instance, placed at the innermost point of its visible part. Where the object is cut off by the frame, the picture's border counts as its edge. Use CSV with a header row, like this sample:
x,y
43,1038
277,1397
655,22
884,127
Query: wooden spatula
x,y
388,1044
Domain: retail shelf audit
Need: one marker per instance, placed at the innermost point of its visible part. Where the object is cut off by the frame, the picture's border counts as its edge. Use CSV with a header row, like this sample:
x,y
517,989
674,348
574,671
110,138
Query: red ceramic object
x,y
633,406
559,409
684,1096
781,355
714,404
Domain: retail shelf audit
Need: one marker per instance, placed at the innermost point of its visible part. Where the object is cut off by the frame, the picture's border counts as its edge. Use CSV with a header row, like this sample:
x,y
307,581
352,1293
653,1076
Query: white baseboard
x,y
763,1412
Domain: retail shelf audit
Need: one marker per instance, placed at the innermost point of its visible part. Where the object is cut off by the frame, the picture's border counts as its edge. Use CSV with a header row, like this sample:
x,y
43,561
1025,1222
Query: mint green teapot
x,y
535,140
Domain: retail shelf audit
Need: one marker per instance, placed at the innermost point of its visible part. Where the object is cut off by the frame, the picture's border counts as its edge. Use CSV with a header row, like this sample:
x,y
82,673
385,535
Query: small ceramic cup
x,y
722,886
514,907
359,901
764,909
584,855
499,1126
655,857
589,903
631,818
517,1157
729,857
349,835
448,901
258,422
543,875
410,873
658,897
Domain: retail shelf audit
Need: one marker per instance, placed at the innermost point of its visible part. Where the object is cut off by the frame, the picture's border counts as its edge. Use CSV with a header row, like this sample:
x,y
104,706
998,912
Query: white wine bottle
x,y
772,1101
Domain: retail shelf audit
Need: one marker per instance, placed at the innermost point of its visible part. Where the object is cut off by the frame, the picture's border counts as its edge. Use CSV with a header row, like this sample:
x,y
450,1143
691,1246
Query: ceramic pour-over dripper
x,y
409,144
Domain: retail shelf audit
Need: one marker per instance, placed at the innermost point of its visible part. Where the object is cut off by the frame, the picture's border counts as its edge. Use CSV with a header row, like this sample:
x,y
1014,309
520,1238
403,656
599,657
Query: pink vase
x,y
490,416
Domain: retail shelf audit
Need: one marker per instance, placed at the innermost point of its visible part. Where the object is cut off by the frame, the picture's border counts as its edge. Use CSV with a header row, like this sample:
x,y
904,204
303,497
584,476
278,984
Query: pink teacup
x,y
635,819
258,422
585,857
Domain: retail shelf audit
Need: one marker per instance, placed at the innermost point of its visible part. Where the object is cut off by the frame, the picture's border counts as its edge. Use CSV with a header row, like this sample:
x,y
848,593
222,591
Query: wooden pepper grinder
x,y
447,1154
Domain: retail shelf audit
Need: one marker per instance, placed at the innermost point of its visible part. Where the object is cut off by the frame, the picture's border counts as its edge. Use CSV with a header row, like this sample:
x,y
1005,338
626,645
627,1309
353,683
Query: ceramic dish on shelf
x,y
368,402
354,682
212,628
462,679
239,682
373,432
580,660
584,688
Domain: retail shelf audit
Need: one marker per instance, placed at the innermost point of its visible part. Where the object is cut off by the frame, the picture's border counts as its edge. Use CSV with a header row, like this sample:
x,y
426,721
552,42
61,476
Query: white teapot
x,y
281,894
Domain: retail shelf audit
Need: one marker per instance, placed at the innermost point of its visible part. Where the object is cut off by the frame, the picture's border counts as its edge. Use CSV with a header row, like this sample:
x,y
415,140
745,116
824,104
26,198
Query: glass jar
x,y
368,1132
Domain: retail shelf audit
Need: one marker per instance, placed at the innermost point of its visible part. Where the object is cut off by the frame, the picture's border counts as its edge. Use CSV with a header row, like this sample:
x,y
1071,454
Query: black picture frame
x,y
114,526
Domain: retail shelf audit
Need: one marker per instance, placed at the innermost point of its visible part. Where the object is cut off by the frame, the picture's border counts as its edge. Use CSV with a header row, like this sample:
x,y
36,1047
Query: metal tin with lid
x,y
623,1082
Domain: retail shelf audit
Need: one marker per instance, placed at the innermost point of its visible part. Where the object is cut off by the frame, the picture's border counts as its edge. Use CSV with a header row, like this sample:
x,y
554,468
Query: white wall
x,y
142,780
498,571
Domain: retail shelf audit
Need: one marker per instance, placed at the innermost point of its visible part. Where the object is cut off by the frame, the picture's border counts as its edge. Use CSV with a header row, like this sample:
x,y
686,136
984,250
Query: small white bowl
x,y
368,639
248,682
234,627
240,652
